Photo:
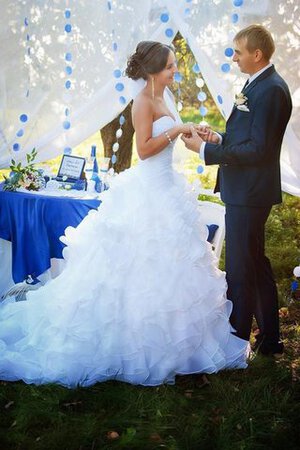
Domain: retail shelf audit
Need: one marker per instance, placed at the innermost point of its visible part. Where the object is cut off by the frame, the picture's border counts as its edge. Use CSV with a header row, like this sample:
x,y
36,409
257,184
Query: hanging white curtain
x,y
34,68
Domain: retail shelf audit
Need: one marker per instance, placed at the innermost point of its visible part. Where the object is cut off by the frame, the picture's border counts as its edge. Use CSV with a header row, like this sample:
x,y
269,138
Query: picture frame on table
x,y
71,167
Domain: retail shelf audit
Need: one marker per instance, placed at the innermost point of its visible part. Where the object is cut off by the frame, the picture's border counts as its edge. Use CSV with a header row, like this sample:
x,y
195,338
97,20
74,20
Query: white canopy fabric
x,y
57,83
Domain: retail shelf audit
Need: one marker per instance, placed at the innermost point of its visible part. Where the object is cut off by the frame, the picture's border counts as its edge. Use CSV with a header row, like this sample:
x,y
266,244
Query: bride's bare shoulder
x,y
142,104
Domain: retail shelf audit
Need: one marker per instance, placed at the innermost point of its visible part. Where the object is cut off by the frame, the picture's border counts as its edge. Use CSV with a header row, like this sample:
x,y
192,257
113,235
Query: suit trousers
x,y
251,284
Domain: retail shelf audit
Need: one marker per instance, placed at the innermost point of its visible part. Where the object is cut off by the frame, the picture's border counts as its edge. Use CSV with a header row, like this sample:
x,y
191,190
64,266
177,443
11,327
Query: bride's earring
x,y
152,87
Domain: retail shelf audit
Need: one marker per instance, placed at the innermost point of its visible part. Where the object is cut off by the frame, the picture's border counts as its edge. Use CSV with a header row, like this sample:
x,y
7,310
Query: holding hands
x,y
194,135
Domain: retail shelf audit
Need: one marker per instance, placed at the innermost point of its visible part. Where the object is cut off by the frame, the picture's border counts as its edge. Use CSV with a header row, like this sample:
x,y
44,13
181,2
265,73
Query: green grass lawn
x,y
253,409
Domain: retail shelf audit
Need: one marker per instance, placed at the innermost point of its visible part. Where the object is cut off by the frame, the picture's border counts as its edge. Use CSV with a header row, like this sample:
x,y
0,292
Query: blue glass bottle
x,y
95,176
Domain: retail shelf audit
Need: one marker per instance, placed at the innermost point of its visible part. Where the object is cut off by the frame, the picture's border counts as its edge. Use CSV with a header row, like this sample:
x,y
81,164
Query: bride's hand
x,y
185,128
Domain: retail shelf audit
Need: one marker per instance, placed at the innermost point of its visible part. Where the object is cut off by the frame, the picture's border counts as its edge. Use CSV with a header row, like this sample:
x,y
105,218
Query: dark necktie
x,y
246,85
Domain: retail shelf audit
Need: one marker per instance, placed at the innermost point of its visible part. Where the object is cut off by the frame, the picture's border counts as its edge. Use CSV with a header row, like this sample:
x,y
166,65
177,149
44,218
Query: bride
x,y
141,298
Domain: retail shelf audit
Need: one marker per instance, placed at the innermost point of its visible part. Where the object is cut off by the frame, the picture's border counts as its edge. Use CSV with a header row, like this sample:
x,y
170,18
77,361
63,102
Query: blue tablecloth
x,y
33,223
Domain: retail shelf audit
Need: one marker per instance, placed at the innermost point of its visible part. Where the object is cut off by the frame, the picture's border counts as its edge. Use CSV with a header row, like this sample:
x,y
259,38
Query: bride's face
x,y
166,76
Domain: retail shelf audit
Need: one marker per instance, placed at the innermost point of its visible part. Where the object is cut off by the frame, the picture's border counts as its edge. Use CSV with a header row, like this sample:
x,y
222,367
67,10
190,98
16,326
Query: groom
x,y
249,181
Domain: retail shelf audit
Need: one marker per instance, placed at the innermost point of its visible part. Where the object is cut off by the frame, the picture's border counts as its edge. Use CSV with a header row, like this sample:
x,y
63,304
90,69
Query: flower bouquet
x,y
26,177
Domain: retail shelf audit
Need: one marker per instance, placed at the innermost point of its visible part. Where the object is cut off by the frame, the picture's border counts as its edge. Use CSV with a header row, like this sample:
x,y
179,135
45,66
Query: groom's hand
x,y
192,142
207,134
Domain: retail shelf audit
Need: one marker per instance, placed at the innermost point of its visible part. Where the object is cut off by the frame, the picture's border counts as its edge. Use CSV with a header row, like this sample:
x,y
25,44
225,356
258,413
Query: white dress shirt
x,y
250,79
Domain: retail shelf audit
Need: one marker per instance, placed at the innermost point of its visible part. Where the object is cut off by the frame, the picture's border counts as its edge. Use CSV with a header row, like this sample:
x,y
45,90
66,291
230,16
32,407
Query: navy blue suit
x,y
249,183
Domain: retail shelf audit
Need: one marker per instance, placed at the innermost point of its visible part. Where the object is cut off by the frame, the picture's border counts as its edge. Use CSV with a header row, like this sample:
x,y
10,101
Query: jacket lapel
x,y
250,86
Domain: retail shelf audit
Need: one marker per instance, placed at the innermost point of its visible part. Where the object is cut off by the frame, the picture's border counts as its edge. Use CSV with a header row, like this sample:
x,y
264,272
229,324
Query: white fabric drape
x,y
34,44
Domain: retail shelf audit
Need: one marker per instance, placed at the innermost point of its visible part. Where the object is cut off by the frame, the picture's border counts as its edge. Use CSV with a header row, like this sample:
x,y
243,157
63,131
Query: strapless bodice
x,y
159,165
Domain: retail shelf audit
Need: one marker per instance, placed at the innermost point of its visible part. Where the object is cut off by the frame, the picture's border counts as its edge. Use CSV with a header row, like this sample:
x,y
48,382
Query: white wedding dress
x,y
141,298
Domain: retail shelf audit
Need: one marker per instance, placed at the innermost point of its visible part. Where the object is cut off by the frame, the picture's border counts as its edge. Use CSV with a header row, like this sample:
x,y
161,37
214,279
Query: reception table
x,y
30,227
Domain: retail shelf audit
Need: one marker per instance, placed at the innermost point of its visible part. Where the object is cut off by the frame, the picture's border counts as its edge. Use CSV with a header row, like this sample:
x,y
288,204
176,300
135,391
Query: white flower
x,y
240,99
241,102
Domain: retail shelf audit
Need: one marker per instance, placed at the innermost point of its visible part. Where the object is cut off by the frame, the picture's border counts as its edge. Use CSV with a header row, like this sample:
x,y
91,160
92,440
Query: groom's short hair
x,y
257,37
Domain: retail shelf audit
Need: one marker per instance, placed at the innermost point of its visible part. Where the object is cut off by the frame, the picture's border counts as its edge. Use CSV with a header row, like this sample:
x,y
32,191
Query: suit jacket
x,y
249,156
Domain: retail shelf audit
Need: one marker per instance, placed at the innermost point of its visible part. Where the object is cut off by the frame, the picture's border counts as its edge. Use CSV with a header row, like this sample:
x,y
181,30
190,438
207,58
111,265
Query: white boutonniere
x,y
241,102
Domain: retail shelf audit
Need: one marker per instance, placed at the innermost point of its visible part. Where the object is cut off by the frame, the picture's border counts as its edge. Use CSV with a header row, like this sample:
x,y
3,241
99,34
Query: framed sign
x,y
71,167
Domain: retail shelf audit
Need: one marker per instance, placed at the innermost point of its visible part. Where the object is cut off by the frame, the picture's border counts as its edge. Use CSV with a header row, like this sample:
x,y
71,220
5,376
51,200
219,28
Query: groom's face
x,y
244,59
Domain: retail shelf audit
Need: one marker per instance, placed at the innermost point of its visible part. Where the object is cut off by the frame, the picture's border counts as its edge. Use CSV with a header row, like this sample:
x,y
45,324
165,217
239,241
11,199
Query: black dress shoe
x,y
264,348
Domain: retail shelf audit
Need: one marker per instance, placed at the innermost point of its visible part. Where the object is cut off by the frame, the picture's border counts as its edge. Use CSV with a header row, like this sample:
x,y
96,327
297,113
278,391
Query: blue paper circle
x,y
27,93
220,99
200,169
68,84
178,77
27,37
122,100
67,112
109,5
67,14
26,22
235,18
68,70
115,46
68,28
164,17
169,32
67,151
196,68
187,12
203,110
113,159
119,87
117,73
122,120
20,133
225,68
66,125
238,2
202,96
23,117
68,56
229,52
16,147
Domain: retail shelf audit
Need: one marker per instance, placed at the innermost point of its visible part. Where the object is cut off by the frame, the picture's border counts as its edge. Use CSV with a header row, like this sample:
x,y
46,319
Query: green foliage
x,y
24,176
189,89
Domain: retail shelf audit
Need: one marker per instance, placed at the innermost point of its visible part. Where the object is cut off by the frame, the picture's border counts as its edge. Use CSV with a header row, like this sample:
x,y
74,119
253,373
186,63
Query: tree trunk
x,y
108,135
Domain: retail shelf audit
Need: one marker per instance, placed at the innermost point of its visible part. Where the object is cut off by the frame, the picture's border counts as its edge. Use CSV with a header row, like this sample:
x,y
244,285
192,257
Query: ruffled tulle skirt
x,y
140,300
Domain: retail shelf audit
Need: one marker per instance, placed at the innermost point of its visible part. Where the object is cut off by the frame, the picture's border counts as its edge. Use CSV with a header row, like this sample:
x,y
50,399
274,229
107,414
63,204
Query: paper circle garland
x,y
119,133
235,18
225,68
202,96
296,271
229,52
23,118
164,17
122,120
200,82
117,73
115,147
196,68
119,87
169,32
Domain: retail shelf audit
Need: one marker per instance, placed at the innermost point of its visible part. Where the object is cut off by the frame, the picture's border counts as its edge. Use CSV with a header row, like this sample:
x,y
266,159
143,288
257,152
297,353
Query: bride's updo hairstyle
x,y
149,58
